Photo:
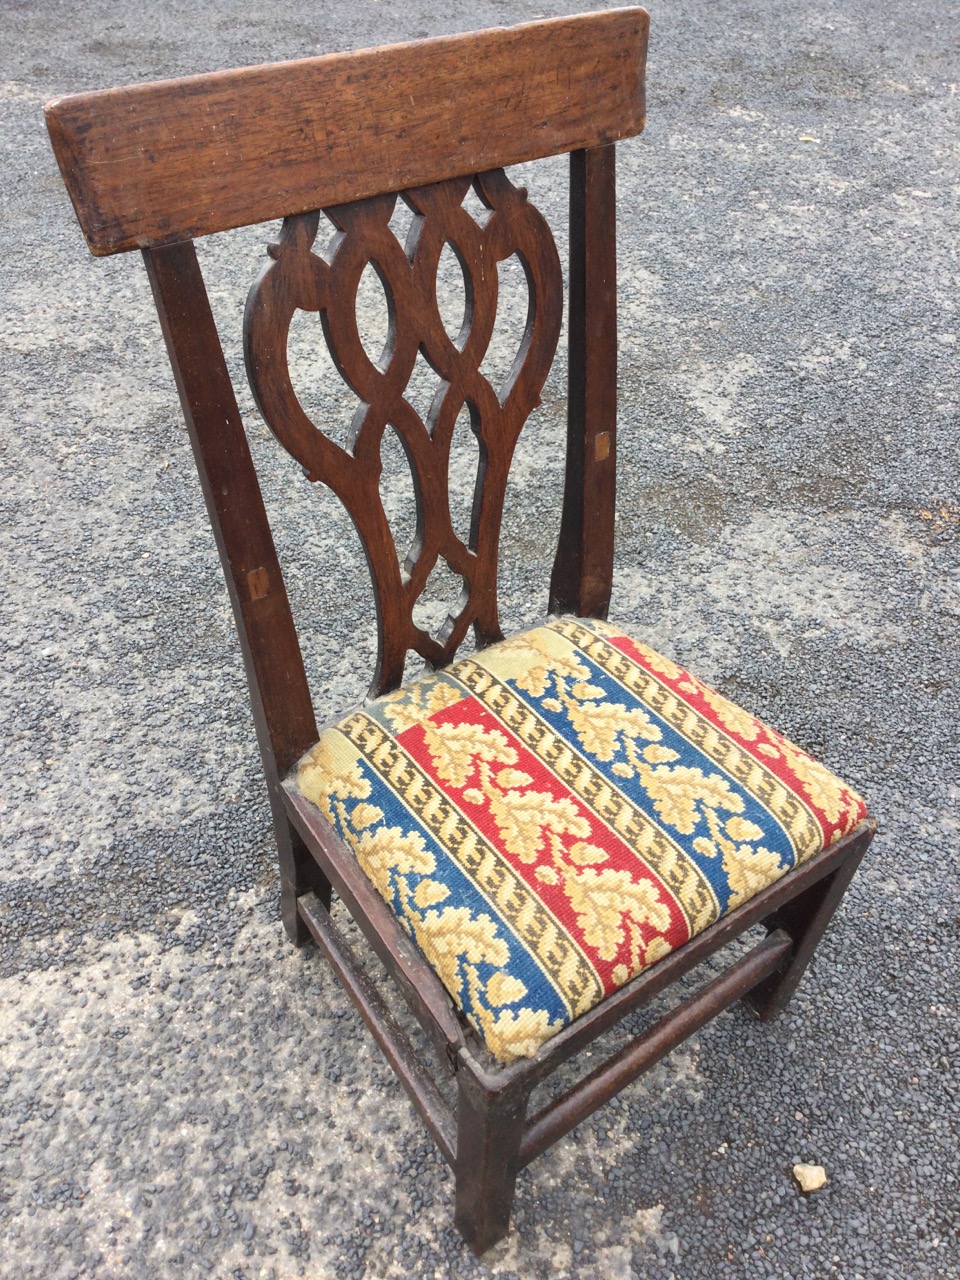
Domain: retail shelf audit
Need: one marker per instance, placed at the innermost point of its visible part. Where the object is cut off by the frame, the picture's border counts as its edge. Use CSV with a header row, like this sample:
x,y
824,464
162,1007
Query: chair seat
x,y
552,815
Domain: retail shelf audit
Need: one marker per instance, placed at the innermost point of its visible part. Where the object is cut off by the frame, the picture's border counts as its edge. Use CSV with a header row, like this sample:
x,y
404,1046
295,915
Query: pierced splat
x,y
417,325
440,601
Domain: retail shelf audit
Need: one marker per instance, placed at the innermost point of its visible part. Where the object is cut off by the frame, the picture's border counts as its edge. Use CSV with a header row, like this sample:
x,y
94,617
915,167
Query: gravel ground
x,y
184,1094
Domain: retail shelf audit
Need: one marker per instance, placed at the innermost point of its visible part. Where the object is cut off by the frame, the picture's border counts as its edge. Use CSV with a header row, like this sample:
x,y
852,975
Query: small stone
x,y
811,1177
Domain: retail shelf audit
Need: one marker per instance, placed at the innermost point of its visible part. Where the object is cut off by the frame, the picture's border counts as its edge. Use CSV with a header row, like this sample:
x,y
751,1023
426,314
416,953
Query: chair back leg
x,y
299,874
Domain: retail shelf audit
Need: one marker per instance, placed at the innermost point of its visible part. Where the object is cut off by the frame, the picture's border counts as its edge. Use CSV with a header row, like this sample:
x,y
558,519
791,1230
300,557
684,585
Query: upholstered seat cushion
x,y
557,812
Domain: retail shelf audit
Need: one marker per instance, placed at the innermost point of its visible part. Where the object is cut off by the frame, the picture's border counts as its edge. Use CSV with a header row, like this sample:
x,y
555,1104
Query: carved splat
x,y
300,278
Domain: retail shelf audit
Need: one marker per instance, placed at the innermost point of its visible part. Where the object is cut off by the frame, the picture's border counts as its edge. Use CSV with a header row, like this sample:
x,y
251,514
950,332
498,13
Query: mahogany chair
x,y
537,839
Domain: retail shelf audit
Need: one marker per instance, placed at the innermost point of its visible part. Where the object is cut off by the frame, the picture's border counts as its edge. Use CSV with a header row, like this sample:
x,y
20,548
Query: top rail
x,y
155,163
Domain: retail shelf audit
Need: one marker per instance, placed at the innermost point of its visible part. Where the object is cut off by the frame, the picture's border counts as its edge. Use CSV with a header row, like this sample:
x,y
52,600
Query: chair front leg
x,y
489,1132
805,918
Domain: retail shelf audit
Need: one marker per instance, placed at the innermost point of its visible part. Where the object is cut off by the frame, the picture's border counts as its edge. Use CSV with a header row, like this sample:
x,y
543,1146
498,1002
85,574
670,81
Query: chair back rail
x,y
155,165
176,159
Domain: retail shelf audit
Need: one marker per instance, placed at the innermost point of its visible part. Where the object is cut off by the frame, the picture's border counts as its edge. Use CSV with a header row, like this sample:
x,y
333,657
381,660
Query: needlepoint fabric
x,y
555,813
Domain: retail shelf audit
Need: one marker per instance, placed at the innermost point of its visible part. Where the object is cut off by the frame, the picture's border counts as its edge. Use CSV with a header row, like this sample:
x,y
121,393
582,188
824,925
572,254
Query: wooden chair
x,y
153,167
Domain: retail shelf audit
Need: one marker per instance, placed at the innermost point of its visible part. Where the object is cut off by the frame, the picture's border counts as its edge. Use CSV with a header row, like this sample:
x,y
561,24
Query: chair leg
x,y
299,873
489,1131
805,918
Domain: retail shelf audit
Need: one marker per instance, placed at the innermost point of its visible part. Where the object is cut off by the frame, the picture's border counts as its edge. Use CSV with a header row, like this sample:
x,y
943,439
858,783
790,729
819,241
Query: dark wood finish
x,y
396,1046
805,917
299,278
154,163
490,1126
280,697
582,578
642,1053
162,163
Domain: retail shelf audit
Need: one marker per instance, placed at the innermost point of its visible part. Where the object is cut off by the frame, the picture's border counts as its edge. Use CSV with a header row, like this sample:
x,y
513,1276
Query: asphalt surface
x,y
182,1093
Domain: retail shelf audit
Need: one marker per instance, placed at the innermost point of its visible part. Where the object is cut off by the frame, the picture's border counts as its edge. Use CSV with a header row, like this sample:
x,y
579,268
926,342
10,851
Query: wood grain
x,y
149,164
279,694
490,1128
582,579
231,491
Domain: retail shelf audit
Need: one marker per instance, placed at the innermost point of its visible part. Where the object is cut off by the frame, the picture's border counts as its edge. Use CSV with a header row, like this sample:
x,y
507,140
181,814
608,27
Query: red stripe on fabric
x,y
694,693
620,857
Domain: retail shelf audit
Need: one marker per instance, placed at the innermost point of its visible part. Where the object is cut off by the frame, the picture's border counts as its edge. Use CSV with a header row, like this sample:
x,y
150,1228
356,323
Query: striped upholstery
x,y
552,815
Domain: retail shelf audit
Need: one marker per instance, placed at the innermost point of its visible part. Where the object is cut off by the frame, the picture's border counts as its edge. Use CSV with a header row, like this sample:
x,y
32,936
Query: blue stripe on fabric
x,y
541,993
776,838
